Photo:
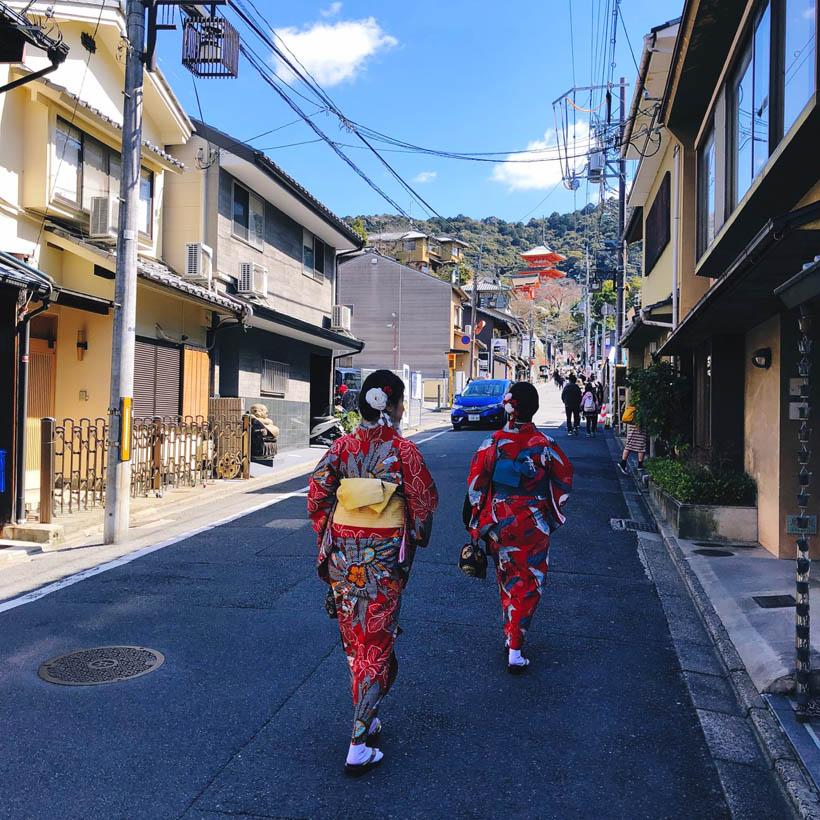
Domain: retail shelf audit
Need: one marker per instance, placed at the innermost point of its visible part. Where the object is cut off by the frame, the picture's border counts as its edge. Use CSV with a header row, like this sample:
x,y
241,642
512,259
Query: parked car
x,y
482,402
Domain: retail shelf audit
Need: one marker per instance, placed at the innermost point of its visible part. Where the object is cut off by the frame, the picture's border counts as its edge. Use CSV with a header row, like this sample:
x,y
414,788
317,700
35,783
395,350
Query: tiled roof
x,y
156,149
157,272
249,154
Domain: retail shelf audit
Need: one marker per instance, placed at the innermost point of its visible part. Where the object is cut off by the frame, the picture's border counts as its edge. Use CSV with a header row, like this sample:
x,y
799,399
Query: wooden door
x,y
41,374
196,377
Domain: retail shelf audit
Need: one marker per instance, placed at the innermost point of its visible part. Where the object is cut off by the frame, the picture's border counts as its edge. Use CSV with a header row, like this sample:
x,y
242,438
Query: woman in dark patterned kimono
x,y
371,501
519,481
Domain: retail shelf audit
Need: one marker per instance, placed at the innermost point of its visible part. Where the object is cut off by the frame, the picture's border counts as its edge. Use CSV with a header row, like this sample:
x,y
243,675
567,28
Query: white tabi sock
x,y
360,753
516,658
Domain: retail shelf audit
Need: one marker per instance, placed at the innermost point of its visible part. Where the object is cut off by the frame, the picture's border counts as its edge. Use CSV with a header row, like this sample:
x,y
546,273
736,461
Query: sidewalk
x,y
180,513
732,586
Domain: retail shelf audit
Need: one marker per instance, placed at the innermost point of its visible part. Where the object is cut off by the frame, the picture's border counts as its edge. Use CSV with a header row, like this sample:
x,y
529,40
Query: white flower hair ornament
x,y
509,404
376,398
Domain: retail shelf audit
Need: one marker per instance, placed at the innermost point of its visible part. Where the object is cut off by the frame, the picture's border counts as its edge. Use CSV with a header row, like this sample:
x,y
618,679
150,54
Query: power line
x,y
328,102
631,50
272,83
549,194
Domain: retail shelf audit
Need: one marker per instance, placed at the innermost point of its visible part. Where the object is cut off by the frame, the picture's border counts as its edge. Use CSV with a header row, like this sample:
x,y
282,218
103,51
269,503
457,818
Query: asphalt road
x,y
250,713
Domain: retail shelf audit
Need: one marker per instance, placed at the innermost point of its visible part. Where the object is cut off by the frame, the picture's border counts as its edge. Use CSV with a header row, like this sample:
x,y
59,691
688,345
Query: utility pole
x,y
621,274
474,307
118,476
588,317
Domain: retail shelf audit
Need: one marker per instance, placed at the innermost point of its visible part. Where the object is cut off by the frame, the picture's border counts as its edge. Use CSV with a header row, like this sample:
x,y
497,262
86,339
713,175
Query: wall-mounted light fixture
x,y
762,358
82,345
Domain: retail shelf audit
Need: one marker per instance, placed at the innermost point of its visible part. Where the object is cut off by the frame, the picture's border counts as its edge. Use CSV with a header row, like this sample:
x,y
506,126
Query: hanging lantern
x,y
210,47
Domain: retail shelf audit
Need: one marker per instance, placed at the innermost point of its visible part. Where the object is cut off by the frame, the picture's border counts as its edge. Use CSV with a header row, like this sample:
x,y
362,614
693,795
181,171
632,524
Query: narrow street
x,y
249,715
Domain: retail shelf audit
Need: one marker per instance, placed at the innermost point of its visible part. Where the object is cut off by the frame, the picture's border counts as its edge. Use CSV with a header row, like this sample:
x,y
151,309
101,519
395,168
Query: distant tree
x,y
358,226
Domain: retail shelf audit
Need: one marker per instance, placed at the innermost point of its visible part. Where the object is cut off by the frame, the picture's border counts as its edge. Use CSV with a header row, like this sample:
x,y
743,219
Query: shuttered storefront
x,y
157,372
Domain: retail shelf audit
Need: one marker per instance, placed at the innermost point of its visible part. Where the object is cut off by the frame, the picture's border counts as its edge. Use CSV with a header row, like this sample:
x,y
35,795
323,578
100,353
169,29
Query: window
x,y
706,192
157,371
146,210
68,176
409,245
313,256
95,171
319,258
797,76
248,217
750,110
307,253
656,232
88,168
275,377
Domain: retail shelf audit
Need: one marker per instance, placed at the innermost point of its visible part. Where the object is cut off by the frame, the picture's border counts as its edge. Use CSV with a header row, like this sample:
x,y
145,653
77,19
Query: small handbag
x,y
629,414
330,604
472,561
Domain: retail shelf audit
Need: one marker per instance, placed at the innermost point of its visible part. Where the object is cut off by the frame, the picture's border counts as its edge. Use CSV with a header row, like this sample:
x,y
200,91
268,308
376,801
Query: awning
x,y
20,275
65,297
149,270
744,296
641,330
265,318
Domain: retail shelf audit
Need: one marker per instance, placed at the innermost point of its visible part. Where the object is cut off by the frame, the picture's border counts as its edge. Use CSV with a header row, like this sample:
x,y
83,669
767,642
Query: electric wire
x,y
236,5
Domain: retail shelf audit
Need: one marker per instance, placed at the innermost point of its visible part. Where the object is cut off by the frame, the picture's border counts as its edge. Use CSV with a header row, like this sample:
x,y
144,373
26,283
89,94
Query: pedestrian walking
x,y
371,501
636,442
571,396
590,408
519,481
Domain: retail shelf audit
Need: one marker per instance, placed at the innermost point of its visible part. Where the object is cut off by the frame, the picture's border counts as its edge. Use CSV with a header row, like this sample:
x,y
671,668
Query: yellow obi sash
x,y
368,502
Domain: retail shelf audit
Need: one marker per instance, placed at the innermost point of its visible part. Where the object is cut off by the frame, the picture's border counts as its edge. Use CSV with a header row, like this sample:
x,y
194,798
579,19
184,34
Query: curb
x,y
777,749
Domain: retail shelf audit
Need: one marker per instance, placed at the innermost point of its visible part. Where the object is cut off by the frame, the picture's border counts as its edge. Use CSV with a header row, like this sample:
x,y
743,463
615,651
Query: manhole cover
x,y
774,601
712,553
630,525
103,664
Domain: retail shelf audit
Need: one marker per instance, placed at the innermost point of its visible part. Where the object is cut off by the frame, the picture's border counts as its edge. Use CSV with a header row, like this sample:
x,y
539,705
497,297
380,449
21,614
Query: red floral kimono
x,y
362,564
519,481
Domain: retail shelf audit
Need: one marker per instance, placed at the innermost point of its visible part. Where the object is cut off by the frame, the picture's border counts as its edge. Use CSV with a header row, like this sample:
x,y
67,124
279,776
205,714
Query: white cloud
x,y
335,52
425,176
524,176
332,10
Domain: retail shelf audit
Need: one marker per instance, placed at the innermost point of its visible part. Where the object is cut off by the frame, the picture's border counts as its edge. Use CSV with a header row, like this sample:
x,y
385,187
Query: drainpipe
x,y
22,411
56,54
675,233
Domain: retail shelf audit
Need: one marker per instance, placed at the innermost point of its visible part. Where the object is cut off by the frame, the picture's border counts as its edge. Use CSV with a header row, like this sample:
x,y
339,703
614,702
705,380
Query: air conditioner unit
x,y
341,318
198,262
253,279
101,221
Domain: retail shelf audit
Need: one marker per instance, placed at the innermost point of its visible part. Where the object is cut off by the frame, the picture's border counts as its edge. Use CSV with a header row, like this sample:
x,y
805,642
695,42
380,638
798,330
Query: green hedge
x,y
692,484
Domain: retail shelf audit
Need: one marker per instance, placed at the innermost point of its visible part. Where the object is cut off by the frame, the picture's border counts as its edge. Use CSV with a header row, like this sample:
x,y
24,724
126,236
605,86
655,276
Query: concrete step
x,y
16,552
35,533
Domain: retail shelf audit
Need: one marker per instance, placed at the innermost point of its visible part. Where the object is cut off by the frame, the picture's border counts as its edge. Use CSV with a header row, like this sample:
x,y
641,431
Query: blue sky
x,y
456,76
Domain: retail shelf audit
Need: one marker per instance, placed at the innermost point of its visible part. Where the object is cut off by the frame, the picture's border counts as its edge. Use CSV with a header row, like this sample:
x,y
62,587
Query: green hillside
x,y
502,241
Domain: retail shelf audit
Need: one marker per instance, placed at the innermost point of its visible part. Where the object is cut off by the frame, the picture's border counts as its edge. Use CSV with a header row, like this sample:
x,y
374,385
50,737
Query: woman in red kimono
x,y
519,481
371,501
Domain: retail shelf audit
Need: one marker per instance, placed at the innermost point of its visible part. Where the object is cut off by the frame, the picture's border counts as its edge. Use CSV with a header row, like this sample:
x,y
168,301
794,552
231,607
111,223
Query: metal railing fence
x,y
173,451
